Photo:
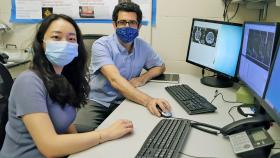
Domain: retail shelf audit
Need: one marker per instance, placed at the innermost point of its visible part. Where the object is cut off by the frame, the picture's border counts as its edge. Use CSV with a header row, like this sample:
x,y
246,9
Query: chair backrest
x,y
6,82
88,41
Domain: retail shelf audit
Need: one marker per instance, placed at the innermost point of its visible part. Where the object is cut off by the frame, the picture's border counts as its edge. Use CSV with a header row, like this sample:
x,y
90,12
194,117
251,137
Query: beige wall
x,y
273,13
170,36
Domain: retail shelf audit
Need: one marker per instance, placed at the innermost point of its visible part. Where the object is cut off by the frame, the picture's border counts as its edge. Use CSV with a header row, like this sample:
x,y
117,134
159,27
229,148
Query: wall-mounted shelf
x,y
262,5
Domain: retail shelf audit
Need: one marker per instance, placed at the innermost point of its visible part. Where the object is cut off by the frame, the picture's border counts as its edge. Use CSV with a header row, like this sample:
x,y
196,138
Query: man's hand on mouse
x,y
162,103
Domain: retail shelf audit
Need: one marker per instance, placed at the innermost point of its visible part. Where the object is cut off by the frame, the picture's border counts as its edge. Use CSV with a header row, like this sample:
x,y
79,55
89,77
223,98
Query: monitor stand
x,y
217,81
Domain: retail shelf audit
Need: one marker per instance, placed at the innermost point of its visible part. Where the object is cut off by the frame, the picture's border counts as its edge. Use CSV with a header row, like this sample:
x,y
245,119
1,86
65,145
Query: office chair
x,y
88,41
6,82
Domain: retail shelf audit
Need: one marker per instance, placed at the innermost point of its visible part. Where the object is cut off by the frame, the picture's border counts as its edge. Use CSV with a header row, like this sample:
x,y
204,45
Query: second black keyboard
x,y
190,100
166,140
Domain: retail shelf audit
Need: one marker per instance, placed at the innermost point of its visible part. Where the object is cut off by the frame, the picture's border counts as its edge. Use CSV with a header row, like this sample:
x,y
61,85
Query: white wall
x,y
169,37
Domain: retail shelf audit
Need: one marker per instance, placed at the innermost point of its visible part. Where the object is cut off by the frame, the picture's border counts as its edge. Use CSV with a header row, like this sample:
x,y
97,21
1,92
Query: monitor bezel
x,y
205,67
272,58
271,112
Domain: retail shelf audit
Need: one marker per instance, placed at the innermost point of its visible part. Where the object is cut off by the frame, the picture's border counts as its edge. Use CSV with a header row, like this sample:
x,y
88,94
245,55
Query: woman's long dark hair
x,y
72,86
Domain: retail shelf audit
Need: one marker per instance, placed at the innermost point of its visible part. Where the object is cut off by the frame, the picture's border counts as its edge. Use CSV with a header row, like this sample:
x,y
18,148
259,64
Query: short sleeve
x,y
29,94
100,56
153,59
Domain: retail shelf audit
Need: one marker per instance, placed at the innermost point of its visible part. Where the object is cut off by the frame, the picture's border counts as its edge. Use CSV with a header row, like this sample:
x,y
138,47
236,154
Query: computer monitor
x,y
215,45
271,101
258,45
272,97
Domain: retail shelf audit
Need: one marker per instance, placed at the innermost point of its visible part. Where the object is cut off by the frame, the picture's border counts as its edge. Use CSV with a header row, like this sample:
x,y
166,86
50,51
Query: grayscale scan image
x,y
259,49
206,36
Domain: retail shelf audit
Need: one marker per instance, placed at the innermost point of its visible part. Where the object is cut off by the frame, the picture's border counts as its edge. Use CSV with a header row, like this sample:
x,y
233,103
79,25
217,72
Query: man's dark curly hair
x,y
127,7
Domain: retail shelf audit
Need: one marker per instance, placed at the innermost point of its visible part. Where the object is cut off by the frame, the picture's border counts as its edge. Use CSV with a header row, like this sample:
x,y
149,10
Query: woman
x,y
43,99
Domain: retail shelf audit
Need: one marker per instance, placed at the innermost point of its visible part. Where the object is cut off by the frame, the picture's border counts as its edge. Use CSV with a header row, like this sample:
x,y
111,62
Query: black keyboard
x,y
166,140
190,100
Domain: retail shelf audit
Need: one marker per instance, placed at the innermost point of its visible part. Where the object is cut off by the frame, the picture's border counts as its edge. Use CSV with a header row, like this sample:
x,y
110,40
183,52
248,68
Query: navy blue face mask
x,y
127,34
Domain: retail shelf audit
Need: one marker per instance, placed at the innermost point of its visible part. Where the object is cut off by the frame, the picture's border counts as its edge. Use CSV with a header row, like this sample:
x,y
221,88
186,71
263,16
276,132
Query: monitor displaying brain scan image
x,y
215,45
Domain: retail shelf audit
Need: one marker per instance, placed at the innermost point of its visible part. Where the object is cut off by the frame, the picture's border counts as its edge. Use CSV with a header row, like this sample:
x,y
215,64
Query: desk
x,y
198,143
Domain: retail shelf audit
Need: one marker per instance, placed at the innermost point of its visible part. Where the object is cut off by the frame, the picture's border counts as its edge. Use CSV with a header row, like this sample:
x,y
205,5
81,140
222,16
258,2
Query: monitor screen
x,y
256,55
215,45
272,97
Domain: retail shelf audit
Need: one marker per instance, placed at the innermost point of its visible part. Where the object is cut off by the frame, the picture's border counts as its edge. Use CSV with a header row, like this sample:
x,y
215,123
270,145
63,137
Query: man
x,y
116,64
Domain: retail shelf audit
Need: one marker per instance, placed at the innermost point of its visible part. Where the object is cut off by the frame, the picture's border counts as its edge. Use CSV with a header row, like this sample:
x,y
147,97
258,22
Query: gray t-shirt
x,y
29,95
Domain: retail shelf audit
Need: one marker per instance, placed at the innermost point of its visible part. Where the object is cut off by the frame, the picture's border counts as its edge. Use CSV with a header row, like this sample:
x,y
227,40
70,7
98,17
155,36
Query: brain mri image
x,y
210,38
206,36
197,35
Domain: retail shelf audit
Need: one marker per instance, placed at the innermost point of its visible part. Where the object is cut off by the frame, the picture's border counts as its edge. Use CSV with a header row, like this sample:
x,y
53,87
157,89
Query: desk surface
x,y
198,143
14,64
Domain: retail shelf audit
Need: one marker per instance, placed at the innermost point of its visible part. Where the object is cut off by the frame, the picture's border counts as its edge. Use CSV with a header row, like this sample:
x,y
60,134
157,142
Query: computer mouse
x,y
162,113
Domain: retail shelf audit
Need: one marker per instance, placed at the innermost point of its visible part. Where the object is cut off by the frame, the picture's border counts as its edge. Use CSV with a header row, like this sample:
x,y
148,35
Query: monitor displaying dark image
x,y
215,45
256,55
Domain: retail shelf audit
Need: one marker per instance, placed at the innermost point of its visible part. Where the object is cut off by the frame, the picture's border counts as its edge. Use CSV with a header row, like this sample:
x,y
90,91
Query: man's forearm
x,y
123,86
153,72
129,92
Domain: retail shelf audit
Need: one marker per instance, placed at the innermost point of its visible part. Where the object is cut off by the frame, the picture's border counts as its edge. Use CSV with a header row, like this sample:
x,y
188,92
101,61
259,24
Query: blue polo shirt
x,y
108,51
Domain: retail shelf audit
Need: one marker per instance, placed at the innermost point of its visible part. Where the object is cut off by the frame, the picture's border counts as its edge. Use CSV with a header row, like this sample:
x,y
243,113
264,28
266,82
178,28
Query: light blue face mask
x,y
61,53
